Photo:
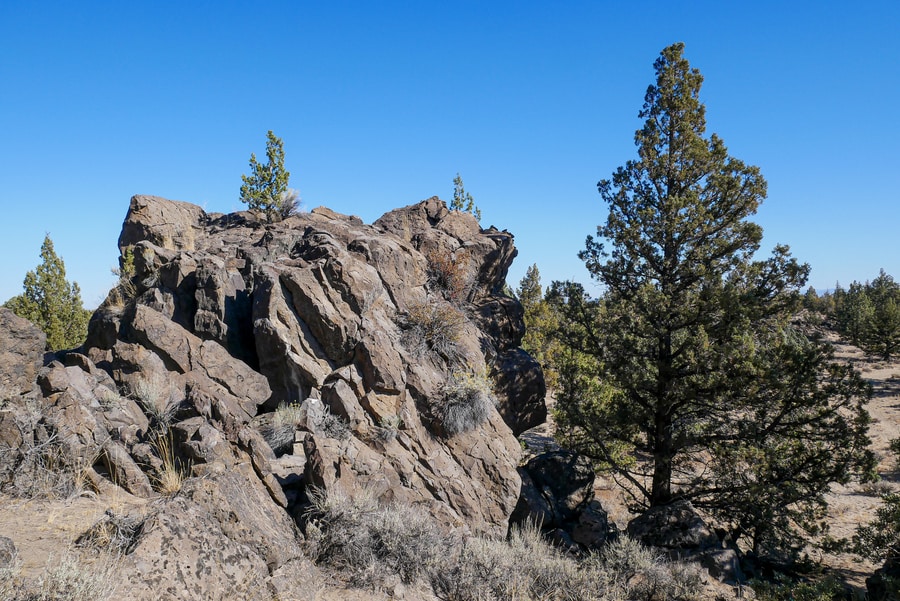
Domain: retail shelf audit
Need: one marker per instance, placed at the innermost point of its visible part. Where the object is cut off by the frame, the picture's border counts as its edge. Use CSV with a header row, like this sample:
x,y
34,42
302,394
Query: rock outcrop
x,y
227,320
681,533
558,495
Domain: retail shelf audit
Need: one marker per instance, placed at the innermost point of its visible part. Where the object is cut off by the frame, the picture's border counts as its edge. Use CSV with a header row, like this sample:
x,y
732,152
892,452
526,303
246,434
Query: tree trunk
x,y
661,493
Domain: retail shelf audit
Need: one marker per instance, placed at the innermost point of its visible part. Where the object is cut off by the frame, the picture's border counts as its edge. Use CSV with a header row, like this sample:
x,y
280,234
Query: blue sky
x,y
381,104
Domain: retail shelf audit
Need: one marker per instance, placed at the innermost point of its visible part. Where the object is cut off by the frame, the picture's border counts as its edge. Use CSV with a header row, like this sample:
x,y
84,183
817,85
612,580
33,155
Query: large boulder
x,y
222,537
680,531
166,223
558,495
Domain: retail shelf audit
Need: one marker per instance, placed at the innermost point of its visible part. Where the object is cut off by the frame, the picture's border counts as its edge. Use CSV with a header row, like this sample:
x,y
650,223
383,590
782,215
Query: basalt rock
x,y
240,316
226,320
679,531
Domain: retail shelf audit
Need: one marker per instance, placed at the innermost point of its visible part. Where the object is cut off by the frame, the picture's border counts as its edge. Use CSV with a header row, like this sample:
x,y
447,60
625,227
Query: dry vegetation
x,y
68,578
467,402
433,327
373,545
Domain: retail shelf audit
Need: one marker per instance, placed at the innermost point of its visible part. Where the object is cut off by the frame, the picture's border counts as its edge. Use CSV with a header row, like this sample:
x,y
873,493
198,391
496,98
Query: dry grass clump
x,y
113,533
280,433
372,545
369,543
154,395
435,328
69,579
289,204
467,402
172,472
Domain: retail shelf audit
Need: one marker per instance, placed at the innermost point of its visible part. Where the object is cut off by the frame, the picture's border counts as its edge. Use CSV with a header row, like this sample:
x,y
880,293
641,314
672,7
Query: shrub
x,y
154,395
388,426
45,470
372,544
69,579
290,203
636,572
527,567
448,274
125,289
467,402
786,589
369,542
113,533
433,328
334,426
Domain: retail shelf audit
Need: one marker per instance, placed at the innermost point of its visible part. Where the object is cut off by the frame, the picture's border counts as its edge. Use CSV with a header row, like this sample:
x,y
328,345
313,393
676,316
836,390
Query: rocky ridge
x,y
354,329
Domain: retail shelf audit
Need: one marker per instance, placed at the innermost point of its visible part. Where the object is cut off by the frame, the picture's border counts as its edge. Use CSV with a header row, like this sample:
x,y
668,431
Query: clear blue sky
x,y
380,104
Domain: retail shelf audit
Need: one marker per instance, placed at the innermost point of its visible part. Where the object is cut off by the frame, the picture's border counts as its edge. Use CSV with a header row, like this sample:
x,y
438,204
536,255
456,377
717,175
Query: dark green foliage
x,y
880,539
869,315
462,200
52,303
698,369
541,323
266,188
828,589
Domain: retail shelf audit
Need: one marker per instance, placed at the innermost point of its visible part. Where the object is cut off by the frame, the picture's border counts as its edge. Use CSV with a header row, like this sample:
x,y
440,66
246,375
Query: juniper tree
x,y
266,188
50,302
883,333
540,324
698,369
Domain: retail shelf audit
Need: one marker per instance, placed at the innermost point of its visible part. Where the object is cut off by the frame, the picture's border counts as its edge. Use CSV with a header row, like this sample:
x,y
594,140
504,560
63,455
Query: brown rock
x,y
166,223
22,347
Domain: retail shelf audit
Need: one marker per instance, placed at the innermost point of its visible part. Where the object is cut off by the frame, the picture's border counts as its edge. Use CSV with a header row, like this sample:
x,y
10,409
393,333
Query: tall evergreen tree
x,y
736,410
540,325
53,304
882,336
855,313
266,188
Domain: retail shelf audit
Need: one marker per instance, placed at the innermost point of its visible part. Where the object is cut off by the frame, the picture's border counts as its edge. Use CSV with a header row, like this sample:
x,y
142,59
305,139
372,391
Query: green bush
x,y
785,589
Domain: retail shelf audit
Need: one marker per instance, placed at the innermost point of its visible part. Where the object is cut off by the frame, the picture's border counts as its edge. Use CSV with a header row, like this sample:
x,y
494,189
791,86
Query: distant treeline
x,y
867,314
